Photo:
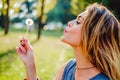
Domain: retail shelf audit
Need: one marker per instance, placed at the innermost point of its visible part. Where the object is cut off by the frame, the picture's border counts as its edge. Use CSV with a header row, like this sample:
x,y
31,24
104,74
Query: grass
x,y
50,54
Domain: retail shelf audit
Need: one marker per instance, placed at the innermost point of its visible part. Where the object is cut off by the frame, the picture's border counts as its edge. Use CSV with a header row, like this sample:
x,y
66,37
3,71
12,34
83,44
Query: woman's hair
x,y
101,40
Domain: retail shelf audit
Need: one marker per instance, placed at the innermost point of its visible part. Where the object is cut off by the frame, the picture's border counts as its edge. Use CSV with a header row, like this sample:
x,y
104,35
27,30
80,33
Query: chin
x,y
63,39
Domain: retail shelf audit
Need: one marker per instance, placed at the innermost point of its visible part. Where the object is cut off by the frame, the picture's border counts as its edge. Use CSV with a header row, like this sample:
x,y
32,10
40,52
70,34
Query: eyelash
x,y
77,22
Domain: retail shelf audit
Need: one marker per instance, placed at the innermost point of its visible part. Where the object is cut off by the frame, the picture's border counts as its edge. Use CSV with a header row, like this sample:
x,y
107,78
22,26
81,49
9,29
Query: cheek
x,y
76,37
72,37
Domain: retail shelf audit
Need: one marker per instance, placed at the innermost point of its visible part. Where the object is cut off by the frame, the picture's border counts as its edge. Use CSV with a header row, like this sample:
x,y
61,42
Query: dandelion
x,y
28,22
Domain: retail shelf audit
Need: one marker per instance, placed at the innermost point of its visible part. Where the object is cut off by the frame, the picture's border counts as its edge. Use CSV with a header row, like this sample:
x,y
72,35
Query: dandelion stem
x,y
27,31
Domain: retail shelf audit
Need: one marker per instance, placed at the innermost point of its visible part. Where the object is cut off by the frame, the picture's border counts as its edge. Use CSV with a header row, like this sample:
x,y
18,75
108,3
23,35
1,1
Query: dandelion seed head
x,y
29,22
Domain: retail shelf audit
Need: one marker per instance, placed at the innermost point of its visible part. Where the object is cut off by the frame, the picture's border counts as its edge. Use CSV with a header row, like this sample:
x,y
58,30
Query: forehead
x,y
83,14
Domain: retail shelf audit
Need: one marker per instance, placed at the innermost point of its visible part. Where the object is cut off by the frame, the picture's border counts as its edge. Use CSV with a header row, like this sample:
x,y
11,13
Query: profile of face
x,y
72,33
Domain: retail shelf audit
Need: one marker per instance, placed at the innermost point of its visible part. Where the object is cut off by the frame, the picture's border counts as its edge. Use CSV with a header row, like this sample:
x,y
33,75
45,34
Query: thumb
x,y
27,44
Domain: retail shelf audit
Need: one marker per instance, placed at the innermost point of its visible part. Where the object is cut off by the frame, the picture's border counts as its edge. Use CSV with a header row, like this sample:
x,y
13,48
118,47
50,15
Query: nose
x,y
70,23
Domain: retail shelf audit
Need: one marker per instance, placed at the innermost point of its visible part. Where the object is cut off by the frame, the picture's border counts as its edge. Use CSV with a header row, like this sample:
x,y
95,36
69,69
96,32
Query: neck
x,y
81,60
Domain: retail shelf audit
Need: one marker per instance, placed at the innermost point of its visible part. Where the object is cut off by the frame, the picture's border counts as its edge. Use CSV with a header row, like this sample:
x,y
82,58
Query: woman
x,y
95,38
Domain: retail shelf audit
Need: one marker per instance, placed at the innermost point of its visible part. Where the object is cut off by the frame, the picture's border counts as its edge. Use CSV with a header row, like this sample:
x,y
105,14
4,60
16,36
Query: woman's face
x,y
72,33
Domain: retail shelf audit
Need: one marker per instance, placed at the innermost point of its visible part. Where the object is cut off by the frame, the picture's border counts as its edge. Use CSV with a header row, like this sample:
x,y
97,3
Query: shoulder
x,y
61,71
70,64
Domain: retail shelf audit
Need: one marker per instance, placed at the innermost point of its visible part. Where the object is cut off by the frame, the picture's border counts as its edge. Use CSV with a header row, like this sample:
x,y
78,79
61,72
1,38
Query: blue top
x,y
69,72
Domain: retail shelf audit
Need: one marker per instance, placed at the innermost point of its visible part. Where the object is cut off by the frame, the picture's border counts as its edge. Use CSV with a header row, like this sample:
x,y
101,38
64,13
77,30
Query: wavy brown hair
x,y
101,40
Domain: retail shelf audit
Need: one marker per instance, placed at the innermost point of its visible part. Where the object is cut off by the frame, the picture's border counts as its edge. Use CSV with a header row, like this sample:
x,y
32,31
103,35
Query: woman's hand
x,y
25,52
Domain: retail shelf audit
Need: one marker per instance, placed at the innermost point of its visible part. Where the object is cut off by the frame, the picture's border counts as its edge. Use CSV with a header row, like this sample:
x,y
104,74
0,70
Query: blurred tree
x,y
4,17
17,8
6,25
40,19
3,13
61,12
26,10
77,6
42,8
67,15
7,8
103,2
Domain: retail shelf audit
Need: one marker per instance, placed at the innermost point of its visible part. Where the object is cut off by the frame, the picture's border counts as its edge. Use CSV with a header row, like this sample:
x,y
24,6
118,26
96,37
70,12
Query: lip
x,y
65,30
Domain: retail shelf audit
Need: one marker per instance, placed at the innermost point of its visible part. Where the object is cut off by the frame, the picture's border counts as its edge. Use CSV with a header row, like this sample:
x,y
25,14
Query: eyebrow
x,y
80,17
82,14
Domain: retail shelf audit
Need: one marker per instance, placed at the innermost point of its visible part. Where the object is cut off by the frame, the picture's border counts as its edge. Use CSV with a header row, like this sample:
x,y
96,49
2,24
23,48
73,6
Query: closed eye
x,y
78,22
79,19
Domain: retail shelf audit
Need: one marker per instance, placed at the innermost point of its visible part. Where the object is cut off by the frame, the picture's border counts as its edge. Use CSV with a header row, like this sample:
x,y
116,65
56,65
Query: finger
x,y
22,41
23,50
27,44
18,50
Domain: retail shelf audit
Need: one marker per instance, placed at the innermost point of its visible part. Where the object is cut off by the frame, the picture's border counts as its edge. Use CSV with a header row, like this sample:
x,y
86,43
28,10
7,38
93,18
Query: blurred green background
x,y
50,17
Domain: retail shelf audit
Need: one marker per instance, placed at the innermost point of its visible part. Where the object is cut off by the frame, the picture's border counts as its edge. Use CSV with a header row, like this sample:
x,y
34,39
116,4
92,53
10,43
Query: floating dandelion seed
x,y
45,27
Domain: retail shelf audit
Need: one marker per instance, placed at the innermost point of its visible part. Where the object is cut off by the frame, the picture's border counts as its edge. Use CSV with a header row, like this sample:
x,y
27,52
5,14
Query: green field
x,y
50,54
